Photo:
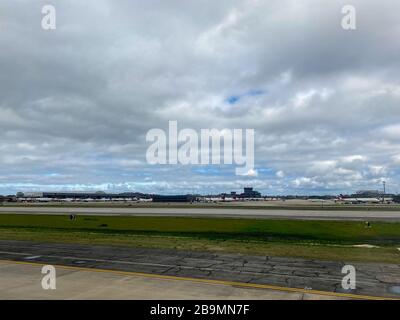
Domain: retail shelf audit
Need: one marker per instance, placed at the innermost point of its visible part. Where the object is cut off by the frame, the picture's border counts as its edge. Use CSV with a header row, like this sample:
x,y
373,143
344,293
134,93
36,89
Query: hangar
x,y
173,198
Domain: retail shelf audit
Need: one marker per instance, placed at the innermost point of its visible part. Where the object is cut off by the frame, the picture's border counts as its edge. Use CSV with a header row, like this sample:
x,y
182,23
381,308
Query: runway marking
x,y
16,253
206,281
32,257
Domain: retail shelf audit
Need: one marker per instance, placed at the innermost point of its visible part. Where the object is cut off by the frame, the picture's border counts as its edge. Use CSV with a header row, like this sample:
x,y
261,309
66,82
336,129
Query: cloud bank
x,y
76,102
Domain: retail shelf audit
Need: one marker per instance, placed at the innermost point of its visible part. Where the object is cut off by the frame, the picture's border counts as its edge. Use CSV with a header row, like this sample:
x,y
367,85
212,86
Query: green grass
x,y
335,232
330,240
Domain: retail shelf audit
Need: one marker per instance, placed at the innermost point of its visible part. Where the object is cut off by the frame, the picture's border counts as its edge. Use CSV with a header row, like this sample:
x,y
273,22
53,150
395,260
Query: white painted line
x,y
32,257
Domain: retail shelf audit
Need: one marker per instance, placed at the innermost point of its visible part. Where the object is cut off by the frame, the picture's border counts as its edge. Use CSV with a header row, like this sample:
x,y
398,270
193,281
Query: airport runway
x,y
214,212
263,272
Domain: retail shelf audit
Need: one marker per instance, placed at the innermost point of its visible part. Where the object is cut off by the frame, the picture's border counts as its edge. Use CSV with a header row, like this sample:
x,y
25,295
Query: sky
x,y
77,102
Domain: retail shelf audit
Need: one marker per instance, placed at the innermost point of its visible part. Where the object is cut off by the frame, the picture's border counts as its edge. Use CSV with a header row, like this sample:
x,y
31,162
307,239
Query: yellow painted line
x,y
207,281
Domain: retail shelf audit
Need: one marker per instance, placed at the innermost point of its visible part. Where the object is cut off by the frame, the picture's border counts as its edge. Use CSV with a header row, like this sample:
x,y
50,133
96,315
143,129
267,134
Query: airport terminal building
x,y
77,196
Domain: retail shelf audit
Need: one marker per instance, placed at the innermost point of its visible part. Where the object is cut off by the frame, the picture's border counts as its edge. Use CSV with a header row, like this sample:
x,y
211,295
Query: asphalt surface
x,y
214,212
23,281
371,279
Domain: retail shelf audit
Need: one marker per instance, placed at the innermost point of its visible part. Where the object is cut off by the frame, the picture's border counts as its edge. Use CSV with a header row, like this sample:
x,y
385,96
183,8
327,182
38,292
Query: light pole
x,y
384,191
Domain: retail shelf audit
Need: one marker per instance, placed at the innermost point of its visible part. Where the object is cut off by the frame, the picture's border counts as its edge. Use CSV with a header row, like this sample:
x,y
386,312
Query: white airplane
x,y
145,200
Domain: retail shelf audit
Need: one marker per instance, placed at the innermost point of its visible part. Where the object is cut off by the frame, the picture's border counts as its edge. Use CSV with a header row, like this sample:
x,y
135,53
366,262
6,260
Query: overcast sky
x,y
76,102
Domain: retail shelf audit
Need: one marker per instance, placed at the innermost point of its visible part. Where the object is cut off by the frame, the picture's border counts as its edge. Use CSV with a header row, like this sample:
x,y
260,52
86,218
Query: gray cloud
x,y
76,102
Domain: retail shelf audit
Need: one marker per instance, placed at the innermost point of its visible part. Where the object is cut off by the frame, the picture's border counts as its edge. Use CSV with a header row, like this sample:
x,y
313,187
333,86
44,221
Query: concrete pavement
x,y
214,212
23,281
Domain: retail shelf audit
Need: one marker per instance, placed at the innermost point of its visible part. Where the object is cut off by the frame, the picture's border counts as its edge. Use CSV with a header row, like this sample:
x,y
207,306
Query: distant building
x,y
30,194
99,195
368,193
250,193
9,198
173,198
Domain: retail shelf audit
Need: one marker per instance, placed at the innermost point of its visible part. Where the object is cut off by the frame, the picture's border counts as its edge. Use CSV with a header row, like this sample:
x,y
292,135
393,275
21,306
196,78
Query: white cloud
x,y
251,173
280,174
